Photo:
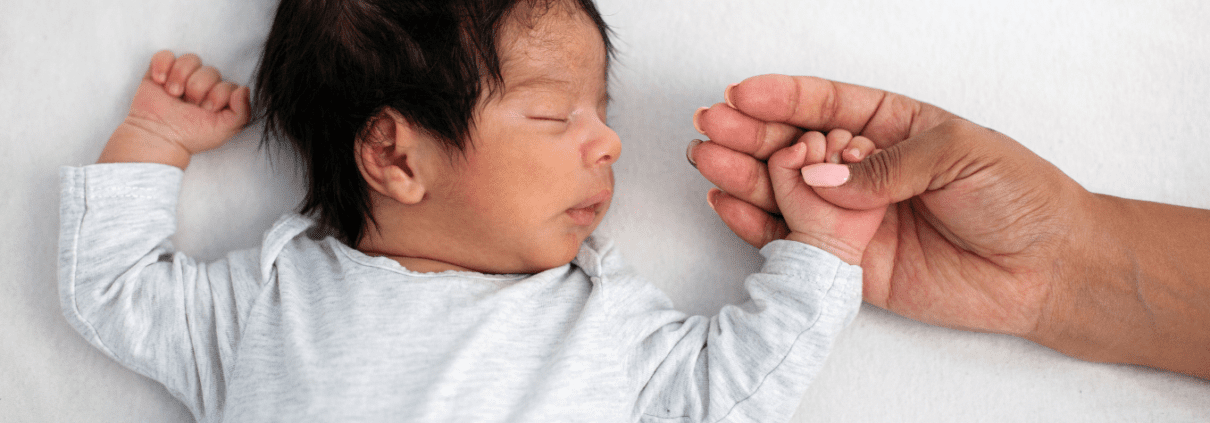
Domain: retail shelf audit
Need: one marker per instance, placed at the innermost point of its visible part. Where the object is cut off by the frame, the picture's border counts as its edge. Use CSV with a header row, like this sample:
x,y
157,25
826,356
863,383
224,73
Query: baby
x,y
442,268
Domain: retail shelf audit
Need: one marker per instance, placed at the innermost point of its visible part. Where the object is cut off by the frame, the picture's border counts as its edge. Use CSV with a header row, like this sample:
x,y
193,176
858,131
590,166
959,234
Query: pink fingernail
x,y
697,116
727,95
711,198
825,175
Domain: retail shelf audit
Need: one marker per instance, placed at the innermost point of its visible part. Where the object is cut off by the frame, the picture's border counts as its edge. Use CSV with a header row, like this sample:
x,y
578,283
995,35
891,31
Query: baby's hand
x,y
181,108
812,220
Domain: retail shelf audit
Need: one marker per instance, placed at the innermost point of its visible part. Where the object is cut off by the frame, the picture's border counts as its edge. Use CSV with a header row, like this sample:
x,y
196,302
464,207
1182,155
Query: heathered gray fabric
x,y
308,329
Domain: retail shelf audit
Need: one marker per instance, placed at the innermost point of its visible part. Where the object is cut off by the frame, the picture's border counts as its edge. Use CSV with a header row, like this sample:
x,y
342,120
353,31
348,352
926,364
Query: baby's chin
x,y
538,253
546,257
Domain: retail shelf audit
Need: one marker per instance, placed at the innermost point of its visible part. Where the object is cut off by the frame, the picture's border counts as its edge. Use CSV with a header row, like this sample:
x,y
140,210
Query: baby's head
x,y
447,134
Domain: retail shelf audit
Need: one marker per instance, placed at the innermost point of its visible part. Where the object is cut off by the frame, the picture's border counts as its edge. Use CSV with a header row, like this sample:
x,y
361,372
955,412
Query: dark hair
x,y
331,66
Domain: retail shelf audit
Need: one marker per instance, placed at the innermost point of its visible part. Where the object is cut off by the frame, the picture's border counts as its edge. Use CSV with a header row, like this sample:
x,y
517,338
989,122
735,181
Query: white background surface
x,y
1116,93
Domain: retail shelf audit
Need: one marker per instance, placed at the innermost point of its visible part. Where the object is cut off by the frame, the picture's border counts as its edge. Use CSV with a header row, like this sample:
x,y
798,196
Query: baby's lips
x,y
599,198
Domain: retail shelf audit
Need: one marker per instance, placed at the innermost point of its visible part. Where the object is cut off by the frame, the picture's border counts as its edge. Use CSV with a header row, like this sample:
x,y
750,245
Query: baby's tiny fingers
x,y
838,139
161,63
218,96
817,146
239,107
200,83
858,149
179,75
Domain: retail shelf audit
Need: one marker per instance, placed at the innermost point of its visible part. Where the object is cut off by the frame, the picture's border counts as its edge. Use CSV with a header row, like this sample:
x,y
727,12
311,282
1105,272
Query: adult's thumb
x,y
928,161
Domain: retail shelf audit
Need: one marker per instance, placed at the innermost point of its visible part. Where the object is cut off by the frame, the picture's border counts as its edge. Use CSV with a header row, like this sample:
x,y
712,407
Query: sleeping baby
x,y
442,266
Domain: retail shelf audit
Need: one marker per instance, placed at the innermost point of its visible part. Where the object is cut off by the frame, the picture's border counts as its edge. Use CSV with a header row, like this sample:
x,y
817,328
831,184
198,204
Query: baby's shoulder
x,y
294,242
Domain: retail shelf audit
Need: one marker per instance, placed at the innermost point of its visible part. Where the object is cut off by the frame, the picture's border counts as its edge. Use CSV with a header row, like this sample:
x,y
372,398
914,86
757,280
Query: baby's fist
x,y
181,108
811,219
190,102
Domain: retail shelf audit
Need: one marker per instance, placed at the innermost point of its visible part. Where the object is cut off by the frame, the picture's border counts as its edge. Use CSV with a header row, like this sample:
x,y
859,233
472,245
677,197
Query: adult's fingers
x,y
737,131
739,174
823,105
929,161
750,223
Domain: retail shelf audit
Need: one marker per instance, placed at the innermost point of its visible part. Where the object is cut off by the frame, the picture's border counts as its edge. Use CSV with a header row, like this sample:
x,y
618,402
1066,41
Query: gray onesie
x,y
307,329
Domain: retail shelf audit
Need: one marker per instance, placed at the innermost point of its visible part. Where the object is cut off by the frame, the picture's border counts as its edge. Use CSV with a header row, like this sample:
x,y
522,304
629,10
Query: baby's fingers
x,y
858,149
200,83
218,96
838,146
161,63
179,75
238,110
817,146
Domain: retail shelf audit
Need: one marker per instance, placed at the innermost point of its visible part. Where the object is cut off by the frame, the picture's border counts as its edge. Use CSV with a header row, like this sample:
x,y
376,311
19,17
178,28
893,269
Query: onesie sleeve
x,y
752,362
124,288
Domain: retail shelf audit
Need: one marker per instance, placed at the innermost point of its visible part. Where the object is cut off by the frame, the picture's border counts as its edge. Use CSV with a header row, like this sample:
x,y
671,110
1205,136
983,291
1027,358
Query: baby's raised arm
x,y
122,284
181,108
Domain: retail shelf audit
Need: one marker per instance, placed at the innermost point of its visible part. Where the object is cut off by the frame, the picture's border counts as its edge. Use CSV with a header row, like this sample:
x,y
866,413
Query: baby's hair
x,y
332,66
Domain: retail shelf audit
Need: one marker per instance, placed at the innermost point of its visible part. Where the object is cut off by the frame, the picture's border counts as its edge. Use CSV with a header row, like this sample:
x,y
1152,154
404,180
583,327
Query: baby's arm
x,y
181,108
122,285
753,361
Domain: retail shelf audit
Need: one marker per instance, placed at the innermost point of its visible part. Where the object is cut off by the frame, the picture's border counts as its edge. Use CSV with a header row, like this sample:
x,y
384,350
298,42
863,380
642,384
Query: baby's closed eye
x,y
550,118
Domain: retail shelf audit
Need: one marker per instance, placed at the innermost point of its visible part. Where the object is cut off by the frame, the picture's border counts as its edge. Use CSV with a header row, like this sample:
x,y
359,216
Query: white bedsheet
x,y
1116,94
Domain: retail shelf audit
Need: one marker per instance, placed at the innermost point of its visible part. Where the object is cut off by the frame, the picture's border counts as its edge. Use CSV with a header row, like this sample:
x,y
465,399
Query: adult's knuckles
x,y
880,173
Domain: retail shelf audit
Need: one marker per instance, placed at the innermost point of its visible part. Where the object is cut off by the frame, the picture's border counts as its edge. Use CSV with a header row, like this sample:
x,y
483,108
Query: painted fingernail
x,y
711,197
825,175
689,152
697,116
727,95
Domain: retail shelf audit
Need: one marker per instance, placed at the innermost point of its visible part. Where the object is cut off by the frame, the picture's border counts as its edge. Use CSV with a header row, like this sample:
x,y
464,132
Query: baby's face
x,y
538,176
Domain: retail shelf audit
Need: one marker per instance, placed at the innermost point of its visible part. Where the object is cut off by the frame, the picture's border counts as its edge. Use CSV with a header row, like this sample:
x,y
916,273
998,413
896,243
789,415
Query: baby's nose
x,y
603,148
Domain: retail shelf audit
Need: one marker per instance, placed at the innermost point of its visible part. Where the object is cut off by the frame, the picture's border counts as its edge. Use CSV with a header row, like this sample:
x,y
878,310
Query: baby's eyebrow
x,y
540,82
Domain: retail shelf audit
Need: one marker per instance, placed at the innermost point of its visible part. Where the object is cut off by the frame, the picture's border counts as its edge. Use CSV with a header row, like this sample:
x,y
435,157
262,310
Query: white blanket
x,y
1116,94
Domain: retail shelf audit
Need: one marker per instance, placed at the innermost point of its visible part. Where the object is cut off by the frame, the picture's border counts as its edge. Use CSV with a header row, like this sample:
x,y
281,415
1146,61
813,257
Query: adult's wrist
x,y
1132,289
1086,280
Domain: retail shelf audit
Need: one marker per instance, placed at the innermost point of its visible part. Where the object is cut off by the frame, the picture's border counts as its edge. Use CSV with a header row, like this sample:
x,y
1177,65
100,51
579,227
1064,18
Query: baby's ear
x,y
390,154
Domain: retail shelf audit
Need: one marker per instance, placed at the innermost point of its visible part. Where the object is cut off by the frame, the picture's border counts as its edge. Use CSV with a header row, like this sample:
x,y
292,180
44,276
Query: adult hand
x,y
980,233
